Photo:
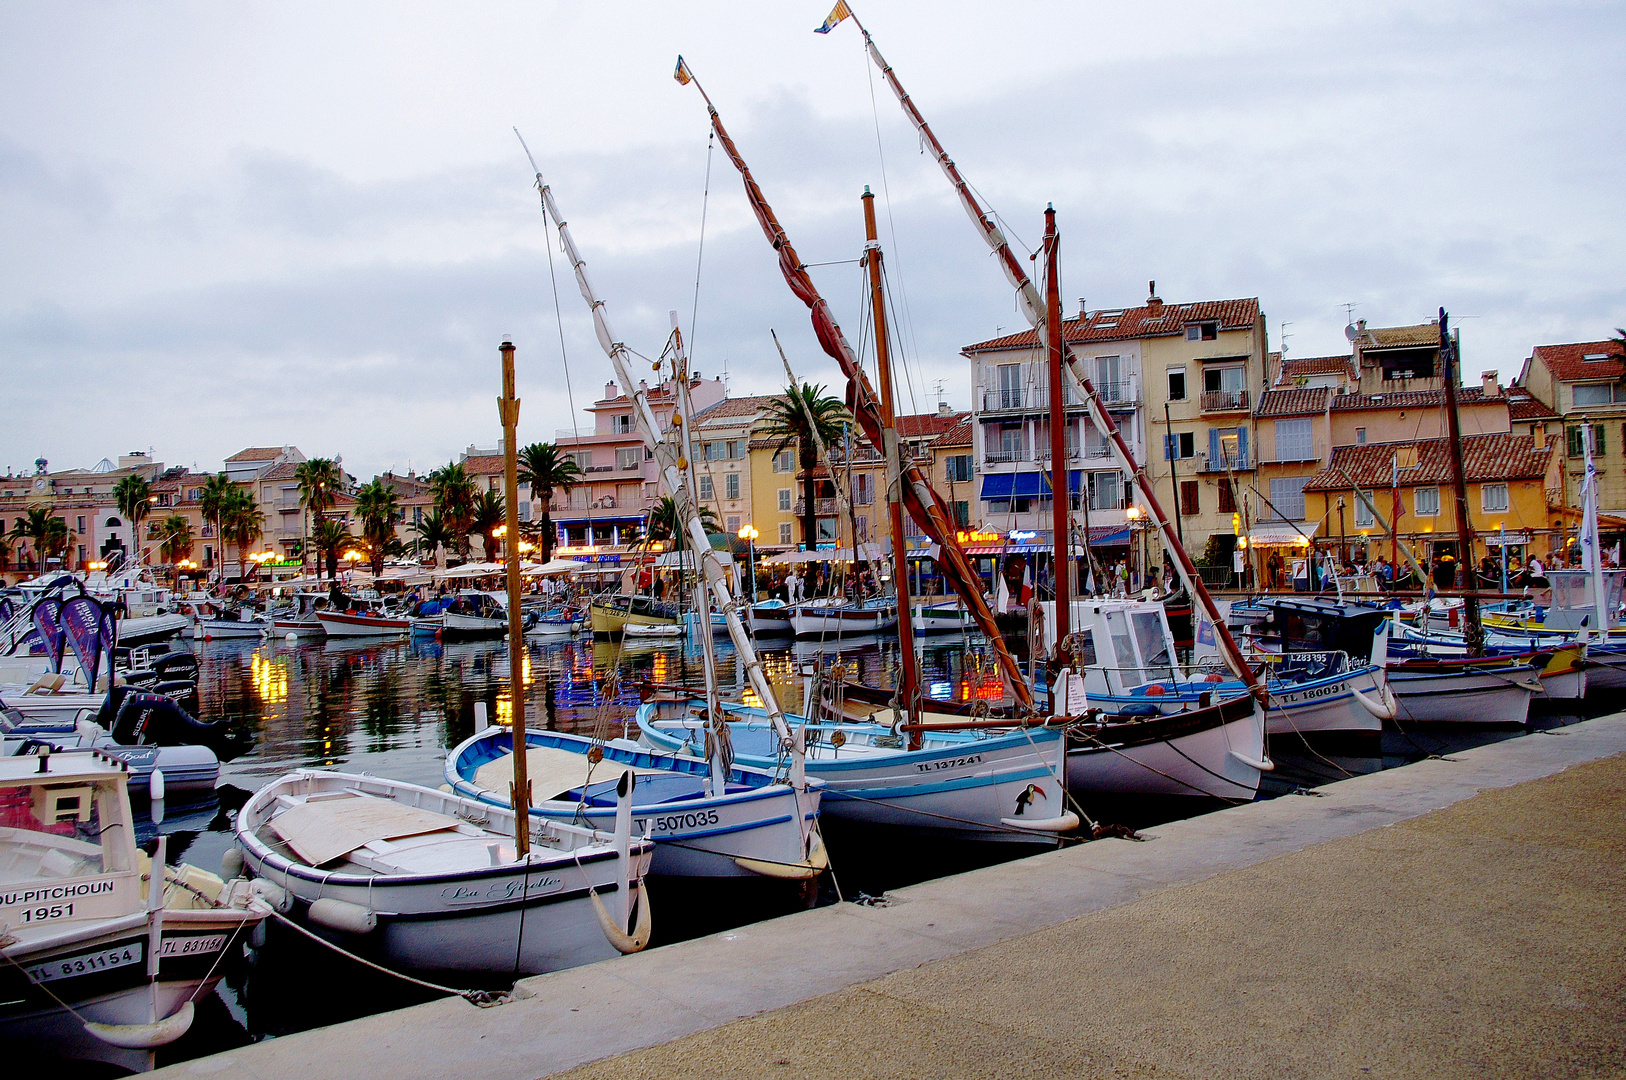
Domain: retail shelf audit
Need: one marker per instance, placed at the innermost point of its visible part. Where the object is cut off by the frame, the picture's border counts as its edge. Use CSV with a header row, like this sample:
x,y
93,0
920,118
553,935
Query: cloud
x,y
304,250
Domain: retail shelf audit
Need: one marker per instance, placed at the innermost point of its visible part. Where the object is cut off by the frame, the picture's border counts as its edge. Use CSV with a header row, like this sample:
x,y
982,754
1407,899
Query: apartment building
x,y
722,459
618,472
84,499
1582,382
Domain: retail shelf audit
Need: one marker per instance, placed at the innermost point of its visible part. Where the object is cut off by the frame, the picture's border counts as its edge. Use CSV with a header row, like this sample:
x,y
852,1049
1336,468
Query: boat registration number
x,y
677,822
192,946
949,763
123,956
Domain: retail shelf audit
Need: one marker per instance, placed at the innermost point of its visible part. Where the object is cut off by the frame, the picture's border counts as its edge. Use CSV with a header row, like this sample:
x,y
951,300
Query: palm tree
x,y
432,532
177,543
134,497
214,494
319,483
787,417
242,522
379,509
49,534
664,524
329,538
542,466
489,512
454,492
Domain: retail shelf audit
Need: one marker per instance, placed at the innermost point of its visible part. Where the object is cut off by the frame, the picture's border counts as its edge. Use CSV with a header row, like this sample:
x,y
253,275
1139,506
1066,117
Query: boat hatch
x,y
651,790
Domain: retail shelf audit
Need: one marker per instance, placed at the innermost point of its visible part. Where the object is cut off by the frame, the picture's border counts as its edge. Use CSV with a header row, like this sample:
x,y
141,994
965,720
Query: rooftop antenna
x,y
938,387
1282,335
1350,331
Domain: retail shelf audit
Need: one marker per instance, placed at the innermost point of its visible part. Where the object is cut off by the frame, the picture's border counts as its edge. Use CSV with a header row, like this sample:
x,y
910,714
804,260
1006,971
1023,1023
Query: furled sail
x,y
920,499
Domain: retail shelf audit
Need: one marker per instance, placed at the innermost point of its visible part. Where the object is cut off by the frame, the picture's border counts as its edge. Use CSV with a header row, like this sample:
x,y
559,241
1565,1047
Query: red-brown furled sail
x,y
920,499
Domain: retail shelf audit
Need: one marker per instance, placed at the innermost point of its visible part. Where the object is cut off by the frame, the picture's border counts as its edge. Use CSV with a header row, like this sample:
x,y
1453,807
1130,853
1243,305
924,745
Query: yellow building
x,y
1511,482
1583,381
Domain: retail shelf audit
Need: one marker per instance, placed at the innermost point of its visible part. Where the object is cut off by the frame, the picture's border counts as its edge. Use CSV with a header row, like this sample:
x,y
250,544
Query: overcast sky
x,y
233,225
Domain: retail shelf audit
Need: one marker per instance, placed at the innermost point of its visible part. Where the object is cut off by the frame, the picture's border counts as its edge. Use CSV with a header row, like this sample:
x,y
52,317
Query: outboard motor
x,y
174,667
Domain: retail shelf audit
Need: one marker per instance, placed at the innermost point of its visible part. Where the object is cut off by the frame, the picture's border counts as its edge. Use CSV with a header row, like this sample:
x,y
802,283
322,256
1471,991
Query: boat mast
x,y
1590,549
715,721
670,463
1473,632
1060,563
520,796
923,503
909,691
1032,309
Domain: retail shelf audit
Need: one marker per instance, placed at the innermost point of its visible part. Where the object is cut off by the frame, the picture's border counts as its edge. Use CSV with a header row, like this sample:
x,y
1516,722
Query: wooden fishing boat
x,y
834,617
610,617
364,623
434,879
85,926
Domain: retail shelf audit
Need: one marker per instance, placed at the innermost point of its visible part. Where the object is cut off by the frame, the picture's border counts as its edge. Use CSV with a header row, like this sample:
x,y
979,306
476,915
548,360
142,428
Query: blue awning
x,y
997,485
1027,485
1030,485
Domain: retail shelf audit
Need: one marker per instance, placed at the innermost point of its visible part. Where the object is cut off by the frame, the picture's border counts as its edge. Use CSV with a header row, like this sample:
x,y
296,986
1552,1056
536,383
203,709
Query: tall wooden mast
x,y
1060,494
909,687
1032,308
1473,632
508,411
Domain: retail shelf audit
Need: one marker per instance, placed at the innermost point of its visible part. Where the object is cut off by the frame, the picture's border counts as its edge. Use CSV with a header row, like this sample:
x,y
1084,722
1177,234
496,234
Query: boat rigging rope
x,y
481,998
705,203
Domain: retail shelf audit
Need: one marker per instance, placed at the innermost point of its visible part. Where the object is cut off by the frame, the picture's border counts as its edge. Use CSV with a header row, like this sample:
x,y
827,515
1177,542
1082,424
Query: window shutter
x,y
1242,446
1213,448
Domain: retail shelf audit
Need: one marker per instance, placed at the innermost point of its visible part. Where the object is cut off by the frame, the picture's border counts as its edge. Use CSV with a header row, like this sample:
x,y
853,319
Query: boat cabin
x,y
1317,637
1574,604
1119,644
67,841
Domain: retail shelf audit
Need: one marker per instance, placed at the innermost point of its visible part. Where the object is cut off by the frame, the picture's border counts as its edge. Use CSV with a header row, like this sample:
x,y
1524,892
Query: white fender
x,y
1066,821
155,786
272,895
231,864
624,942
144,1036
343,916
1384,710
1264,765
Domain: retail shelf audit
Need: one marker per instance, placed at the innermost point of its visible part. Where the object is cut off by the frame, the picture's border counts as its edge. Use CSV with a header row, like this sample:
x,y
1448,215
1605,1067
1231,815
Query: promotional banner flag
x,y
48,621
82,621
110,637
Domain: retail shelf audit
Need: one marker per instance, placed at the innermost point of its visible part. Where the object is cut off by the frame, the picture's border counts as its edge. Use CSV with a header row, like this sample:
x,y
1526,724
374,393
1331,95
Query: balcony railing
x,y
821,507
1004,457
1022,398
1316,451
1237,463
1225,401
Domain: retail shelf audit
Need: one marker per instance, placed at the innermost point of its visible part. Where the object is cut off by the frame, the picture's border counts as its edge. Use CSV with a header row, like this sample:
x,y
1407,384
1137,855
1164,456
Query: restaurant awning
x,y
1277,535
1026,485
866,552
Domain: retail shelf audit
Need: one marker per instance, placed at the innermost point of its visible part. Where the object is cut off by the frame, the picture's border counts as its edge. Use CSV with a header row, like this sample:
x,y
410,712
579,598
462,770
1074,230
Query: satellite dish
x,y
338,459
1350,333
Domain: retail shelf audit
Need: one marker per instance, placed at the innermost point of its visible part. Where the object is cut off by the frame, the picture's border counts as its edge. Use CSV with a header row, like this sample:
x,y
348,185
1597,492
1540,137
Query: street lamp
x,y
1133,513
749,534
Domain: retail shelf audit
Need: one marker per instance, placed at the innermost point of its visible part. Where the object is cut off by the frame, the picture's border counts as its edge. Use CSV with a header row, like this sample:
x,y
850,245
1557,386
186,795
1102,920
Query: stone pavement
x,y
1457,917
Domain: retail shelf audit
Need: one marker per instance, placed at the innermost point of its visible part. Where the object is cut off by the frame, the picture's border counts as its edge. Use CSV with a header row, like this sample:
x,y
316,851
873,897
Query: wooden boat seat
x,y
321,831
553,772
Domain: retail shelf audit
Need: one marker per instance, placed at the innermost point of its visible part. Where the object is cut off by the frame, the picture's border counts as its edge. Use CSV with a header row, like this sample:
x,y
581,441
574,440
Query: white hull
x,y
1327,706
556,628
771,619
702,836
810,621
340,625
941,619
956,785
454,623
468,919
232,628
1220,761
301,627
132,631
1463,697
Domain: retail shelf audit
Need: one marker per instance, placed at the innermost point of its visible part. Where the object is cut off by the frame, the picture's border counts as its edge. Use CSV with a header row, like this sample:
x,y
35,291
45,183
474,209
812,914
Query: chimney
x,y
944,409
1152,300
1490,387
1538,432
1083,311
611,391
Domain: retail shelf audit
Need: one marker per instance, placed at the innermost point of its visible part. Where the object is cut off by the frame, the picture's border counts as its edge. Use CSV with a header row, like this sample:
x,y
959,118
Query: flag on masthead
x,y
837,13
682,73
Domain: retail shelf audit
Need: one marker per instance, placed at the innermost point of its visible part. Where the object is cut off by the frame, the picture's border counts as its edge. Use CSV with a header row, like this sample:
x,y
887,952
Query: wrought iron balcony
x,y
1225,401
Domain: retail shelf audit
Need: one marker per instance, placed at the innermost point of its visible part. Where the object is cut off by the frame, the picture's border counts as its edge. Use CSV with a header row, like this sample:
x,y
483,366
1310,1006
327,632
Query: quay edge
x,y
575,1017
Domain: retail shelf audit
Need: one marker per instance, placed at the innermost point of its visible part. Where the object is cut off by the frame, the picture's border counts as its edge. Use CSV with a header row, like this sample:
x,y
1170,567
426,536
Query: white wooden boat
x,y
298,616
475,614
654,630
363,624
612,615
833,617
242,623
1003,785
942,617
771,617
555,624
433,879
1459,692
754,826
86,928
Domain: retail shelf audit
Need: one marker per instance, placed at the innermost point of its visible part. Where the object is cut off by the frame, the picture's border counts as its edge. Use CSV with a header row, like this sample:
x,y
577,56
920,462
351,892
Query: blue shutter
x,y
1214,461
1168,447
1242,446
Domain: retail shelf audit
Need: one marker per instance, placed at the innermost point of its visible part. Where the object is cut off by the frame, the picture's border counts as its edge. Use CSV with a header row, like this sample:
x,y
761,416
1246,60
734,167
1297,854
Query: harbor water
x,y
395,708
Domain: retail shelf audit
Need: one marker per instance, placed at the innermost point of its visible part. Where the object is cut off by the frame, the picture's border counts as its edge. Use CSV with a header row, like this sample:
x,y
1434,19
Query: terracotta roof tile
x,y
1298,401
729,408
1528,408
1392,337
1411,399
1126,324
1484,457
958,435
288,470
257,453
485,465
919,425
1294,367
1570,363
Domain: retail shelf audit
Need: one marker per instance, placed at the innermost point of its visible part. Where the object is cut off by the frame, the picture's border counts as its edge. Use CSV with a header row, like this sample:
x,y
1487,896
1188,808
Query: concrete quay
x,y
1456,917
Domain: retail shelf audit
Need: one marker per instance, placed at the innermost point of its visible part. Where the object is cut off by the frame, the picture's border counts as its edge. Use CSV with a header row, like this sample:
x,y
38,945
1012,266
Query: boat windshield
x,y
1154,645
57,831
